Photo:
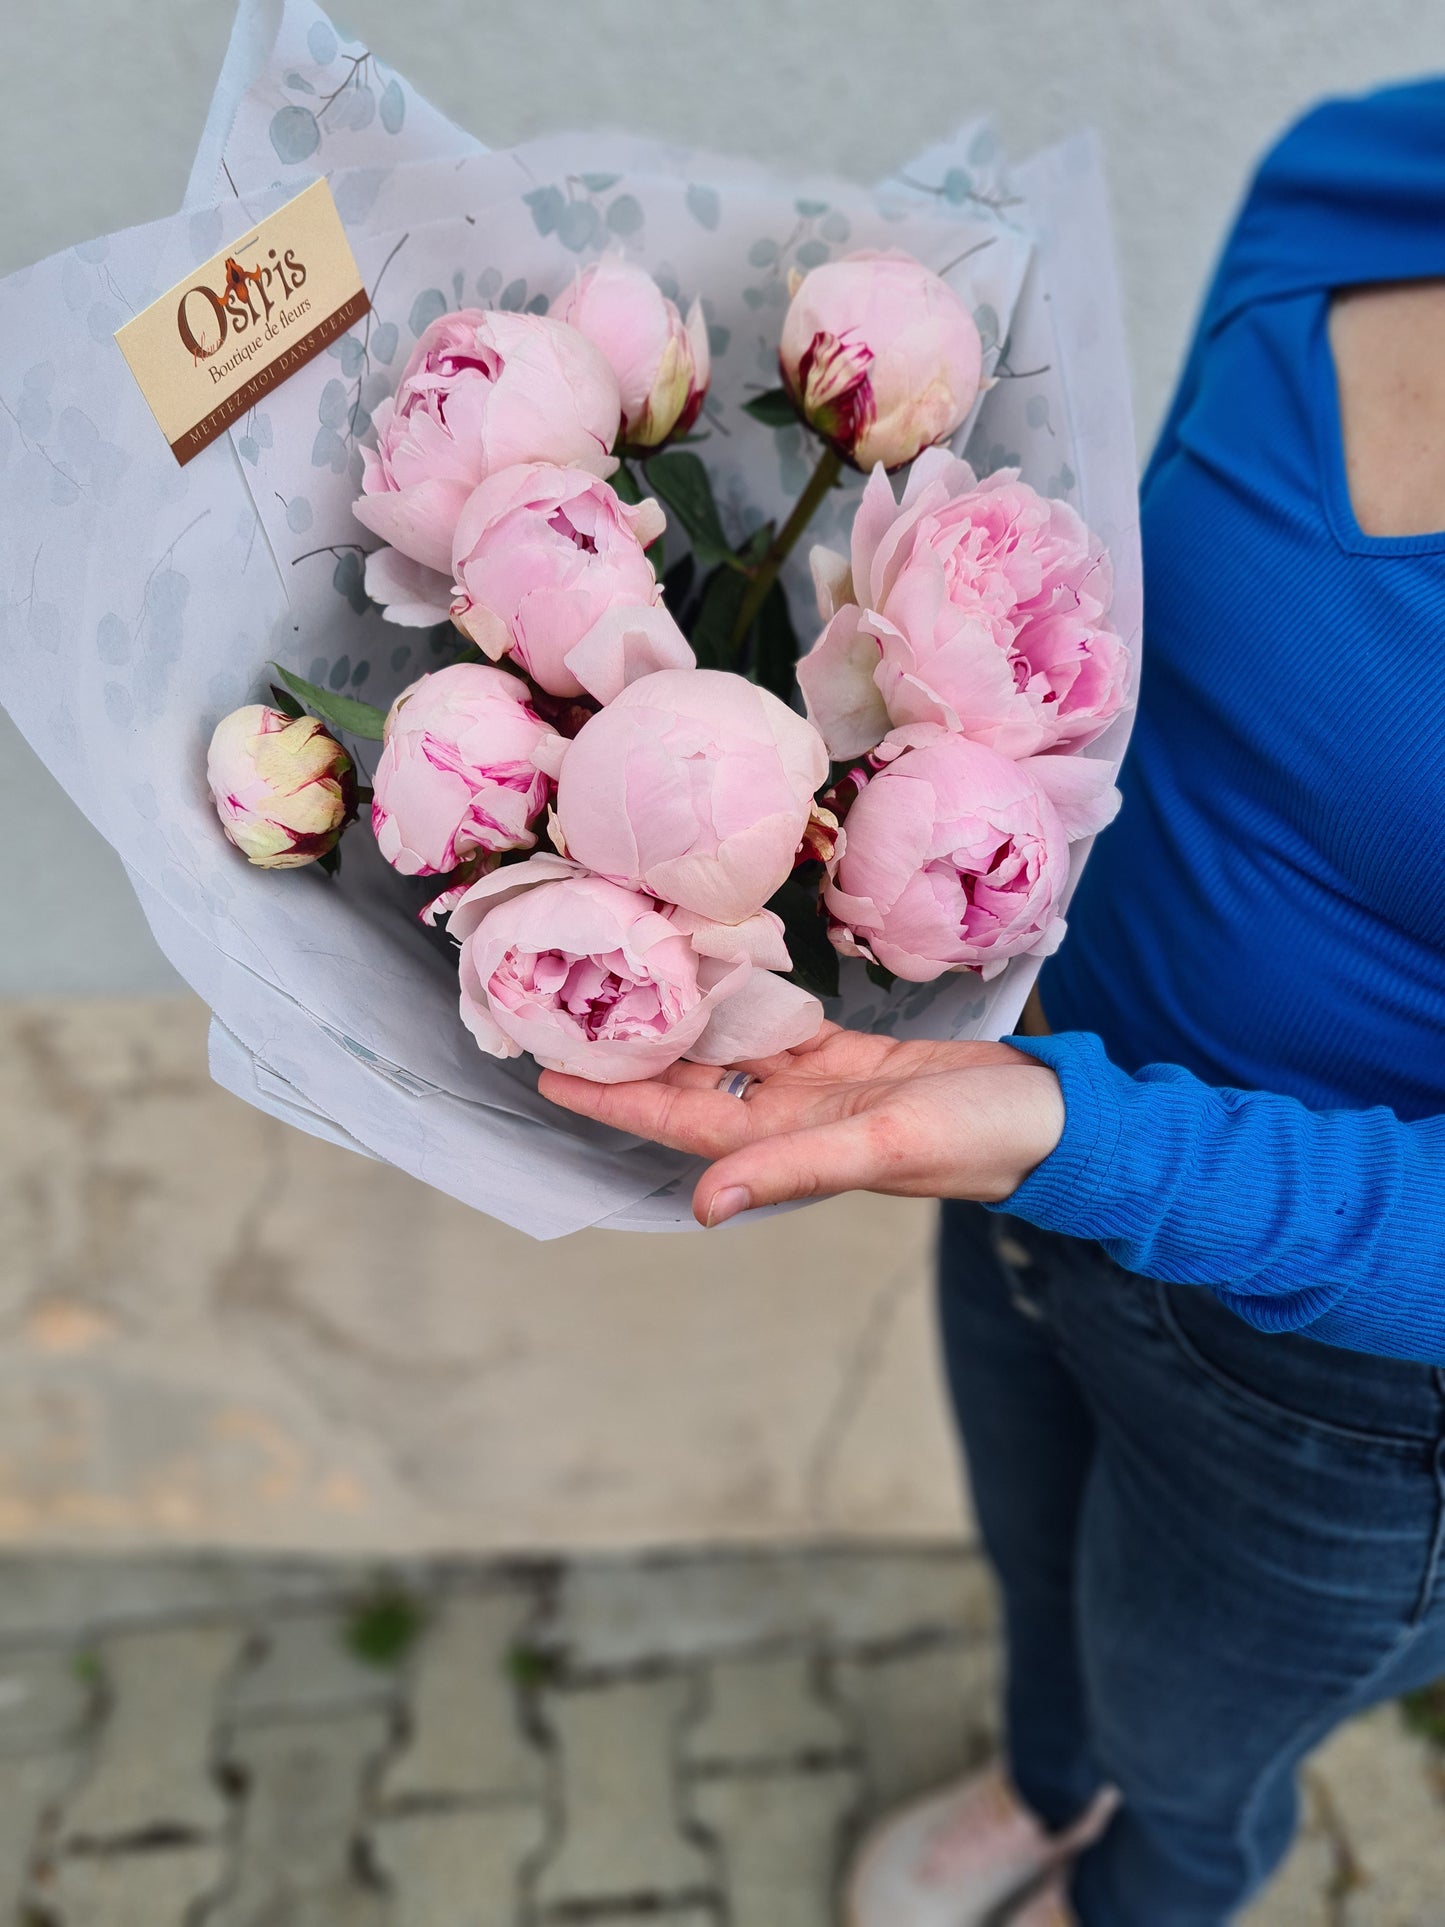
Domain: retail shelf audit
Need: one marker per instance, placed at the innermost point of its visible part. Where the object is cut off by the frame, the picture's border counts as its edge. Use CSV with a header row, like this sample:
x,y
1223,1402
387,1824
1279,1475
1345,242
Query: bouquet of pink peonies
x,y
626,797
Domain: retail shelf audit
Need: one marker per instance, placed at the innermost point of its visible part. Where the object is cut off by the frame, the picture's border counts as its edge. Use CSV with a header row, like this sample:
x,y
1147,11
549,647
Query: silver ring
x,y
736,1083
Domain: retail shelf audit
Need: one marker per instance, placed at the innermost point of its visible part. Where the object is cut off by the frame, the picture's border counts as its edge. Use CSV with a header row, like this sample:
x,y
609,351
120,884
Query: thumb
x,y
815,1163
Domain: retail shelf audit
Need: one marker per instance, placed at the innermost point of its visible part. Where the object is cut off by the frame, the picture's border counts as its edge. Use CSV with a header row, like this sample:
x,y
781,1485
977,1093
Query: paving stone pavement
x,y
675,1741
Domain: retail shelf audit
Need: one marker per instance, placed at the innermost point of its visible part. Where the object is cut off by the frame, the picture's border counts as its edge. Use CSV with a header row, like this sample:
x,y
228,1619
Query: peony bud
x,y
662,363
284,790
881,356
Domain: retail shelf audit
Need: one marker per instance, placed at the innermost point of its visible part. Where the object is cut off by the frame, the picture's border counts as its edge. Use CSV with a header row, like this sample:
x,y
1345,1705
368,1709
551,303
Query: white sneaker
x,y
957,1855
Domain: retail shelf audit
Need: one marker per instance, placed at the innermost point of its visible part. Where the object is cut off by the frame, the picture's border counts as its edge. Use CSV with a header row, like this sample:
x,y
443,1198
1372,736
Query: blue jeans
x,y
1213,1546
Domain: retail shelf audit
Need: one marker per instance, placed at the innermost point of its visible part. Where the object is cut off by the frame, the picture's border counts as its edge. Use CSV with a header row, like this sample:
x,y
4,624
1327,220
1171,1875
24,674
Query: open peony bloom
x,y
457,776
481,392
695,786
956,857
284,790
550,569
979,605
881,356
662,363
604,982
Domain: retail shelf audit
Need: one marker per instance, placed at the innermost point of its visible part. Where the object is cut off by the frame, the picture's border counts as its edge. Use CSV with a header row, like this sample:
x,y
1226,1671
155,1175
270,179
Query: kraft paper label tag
x,y
245,320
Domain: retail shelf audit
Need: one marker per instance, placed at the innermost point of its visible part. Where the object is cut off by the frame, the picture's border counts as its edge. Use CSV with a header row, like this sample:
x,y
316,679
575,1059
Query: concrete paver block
x,y
302,1820
466,1739
767,1710
922,1718
621,1832
1381,1788
29,1789
457,1869
45,1699
614,1612
780,1838
152,1767
306,1670
155,1889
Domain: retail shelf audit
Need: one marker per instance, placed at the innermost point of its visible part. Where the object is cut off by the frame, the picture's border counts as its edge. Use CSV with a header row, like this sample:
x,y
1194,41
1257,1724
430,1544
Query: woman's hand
x,y
846,1112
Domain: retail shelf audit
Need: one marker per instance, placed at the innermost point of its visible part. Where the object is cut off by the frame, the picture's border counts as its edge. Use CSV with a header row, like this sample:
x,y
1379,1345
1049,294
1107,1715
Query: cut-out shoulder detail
x,y
1388,343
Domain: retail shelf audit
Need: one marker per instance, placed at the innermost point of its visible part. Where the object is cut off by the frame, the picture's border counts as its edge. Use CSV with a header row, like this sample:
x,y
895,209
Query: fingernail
x,y
727,1204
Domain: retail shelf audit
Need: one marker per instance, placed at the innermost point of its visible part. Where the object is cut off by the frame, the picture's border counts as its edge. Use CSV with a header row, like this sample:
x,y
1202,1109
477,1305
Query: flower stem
x,y
830,467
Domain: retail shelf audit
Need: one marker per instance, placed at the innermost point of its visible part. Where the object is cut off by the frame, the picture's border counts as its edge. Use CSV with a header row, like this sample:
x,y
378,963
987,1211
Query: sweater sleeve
x,y
1326,1222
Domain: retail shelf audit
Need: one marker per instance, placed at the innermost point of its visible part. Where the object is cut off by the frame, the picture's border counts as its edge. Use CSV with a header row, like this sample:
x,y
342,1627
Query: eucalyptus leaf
x,y
773,408
341,712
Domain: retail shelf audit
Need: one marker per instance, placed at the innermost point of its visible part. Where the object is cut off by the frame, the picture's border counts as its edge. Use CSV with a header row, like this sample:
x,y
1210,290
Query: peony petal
x,y
836,677
763,1015
875,515
760,939
832,580
647,519
624,644
478,1018
550,753
408,592
418,520
1080,788
500,885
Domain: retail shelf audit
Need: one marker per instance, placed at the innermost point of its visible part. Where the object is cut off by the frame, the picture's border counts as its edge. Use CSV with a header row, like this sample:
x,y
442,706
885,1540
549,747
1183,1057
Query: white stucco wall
x,y
105,98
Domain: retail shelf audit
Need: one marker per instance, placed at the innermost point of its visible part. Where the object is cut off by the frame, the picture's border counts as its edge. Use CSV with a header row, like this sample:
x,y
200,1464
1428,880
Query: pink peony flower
x,y
881,356
695,786
956,857
662,363
284,790
481,392
603,982
550,569
457,776
979,605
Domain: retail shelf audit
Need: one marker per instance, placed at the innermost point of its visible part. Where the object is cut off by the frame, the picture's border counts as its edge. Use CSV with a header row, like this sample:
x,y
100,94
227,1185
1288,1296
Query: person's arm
x,y
1329,1222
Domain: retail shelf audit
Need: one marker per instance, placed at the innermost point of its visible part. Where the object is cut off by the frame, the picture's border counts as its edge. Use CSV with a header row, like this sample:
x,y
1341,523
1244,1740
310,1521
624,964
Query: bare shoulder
x,y
1387,342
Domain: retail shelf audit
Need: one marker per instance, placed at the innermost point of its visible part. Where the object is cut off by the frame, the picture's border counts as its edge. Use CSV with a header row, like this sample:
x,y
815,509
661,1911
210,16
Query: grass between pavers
x,y
1424,1712
382,1627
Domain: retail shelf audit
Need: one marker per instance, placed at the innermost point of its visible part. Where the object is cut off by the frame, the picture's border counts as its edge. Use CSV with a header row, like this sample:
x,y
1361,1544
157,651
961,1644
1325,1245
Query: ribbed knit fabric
x,y
1269,910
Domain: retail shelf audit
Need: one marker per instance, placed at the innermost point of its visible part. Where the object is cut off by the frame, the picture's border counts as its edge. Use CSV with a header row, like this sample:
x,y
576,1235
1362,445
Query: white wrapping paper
x,y
140,601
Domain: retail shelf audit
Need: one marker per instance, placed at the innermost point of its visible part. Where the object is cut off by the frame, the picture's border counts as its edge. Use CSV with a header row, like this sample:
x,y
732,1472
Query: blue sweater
x,y
1268,913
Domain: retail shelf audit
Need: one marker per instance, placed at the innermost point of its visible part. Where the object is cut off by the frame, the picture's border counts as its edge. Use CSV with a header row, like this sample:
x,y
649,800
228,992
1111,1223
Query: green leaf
x,y
341,712
382,1629
805,923
1424,1712
681,482
773,408
776,652
533,1667
880,975
624,484
331,862
677,583
712,628
286,703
